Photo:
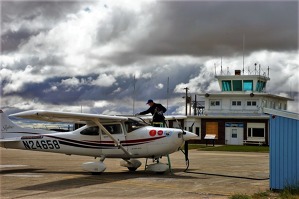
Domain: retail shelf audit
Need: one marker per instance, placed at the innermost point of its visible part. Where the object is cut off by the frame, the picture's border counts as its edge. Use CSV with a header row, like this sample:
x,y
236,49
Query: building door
x,y
234,137
234,133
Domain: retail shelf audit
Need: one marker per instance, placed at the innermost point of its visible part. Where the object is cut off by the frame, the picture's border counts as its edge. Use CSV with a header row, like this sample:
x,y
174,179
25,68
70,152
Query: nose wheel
x,y
157,166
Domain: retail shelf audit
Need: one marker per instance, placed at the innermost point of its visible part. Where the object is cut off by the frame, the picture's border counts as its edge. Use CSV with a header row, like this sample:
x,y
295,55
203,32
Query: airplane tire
x,y
132,168
96,173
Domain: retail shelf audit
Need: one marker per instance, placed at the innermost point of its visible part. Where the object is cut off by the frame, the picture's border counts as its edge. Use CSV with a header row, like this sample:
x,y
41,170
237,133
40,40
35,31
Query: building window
x,y
248,85
215,103
237,85
226,85
260,86
236,103
197,130
265,103
256,131
234,133
251,103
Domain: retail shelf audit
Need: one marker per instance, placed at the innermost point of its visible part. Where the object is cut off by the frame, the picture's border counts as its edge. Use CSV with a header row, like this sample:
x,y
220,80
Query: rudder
x,y
6,125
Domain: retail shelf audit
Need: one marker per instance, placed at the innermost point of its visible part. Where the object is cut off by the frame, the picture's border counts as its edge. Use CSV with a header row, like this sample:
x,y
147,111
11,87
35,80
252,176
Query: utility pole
x,y
186,98
195,105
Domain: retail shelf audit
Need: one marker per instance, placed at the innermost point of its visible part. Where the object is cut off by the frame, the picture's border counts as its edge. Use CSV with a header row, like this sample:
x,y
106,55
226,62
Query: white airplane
x,y
102,136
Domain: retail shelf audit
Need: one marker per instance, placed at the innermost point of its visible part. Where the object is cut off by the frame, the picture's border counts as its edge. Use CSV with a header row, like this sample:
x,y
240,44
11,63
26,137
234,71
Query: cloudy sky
x,y
85,55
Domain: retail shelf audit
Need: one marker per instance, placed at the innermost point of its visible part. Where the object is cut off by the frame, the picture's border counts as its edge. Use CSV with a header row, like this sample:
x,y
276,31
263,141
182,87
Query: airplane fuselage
x,y
143,142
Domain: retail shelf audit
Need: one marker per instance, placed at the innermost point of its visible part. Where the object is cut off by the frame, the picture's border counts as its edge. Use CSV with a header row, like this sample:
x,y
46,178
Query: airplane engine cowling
x,y
130,163
94,167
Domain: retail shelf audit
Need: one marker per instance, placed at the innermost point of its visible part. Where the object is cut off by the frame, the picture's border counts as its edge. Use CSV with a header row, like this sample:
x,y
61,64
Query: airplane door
x,y
109,148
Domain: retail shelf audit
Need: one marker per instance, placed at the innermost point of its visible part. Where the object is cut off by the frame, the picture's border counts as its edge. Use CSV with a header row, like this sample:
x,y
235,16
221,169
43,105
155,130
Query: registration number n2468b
x,y
41,144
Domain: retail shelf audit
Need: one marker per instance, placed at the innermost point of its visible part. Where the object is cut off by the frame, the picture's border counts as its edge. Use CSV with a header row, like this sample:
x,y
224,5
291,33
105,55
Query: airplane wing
x,y
175,117
167,117
59,116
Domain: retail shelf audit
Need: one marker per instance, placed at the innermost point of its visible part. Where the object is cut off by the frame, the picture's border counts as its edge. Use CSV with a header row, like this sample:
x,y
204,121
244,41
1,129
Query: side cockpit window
x,y
113,128
93,130
134,124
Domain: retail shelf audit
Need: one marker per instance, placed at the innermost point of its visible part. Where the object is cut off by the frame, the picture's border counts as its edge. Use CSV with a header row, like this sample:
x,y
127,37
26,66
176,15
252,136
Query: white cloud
x,y
104,80
159,86
73,82
16,80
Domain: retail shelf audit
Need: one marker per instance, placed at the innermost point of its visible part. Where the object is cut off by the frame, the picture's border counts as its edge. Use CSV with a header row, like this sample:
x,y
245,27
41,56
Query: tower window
x,y
248,85
226,85
260,85
237,85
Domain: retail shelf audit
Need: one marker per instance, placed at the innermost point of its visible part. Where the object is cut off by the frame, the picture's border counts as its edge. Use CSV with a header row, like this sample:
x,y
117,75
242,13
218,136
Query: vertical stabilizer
x,y
6,125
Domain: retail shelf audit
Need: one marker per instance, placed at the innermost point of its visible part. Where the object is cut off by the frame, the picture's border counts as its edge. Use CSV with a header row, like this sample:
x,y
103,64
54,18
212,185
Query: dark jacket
x,y
157,111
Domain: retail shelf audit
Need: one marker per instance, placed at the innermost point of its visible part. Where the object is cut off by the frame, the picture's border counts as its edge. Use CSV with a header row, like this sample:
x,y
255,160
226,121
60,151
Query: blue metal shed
x,y
284,149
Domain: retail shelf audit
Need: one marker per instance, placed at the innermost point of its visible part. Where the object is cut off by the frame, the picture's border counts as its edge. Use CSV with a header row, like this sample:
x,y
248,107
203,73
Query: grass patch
x,y
239,196
289,192
232,148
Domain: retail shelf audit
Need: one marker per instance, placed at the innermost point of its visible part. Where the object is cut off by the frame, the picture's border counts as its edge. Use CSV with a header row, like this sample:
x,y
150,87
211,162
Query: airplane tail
x,y
6,125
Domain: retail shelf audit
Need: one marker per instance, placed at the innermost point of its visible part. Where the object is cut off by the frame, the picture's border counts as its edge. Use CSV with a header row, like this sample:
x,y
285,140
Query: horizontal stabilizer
x,y
16,139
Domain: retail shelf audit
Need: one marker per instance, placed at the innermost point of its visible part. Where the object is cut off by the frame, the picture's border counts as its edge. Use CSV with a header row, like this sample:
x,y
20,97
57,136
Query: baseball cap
x,y
149,101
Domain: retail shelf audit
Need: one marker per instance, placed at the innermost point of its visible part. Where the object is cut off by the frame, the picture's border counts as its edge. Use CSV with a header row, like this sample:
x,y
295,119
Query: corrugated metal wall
x,y
284,152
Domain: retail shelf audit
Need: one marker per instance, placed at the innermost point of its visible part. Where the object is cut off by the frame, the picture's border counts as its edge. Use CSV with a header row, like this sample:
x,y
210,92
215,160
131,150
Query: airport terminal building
x,y
235,115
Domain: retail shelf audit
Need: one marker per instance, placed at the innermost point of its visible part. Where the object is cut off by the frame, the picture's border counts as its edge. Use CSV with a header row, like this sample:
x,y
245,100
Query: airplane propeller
x,y
186,153
186,146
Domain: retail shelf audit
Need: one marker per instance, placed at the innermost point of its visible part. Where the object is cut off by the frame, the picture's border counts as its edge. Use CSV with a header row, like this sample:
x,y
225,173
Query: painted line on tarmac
x,y
26,175
11,165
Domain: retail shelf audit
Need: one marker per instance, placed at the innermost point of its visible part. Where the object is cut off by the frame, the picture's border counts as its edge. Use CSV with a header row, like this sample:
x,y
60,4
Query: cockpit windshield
x,y
134,123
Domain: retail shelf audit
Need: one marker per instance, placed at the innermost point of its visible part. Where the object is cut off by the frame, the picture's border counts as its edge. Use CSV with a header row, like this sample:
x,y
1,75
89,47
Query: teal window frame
x,y
248,85
260,85
226,85
237,85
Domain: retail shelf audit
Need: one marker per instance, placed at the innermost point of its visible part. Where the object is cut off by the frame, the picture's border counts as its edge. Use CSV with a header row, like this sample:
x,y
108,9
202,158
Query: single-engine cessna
x,y
101,136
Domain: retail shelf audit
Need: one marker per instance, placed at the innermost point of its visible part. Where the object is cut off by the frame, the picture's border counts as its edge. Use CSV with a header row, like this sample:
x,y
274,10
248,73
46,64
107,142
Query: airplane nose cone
x,y
188,135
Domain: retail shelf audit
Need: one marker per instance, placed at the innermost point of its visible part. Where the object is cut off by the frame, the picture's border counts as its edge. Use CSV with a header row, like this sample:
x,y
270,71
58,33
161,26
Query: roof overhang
x,y
244,94
264,116
281,113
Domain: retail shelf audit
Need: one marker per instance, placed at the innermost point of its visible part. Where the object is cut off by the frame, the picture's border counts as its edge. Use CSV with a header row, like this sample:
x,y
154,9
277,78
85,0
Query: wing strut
x,y
116,142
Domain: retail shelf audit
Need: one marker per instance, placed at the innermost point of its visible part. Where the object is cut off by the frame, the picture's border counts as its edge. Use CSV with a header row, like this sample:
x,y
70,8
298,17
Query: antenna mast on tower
x,y
221,67
243,51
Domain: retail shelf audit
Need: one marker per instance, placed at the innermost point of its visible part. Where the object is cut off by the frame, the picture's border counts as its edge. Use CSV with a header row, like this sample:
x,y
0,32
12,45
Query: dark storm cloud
x,y
29,18
11,40
217,28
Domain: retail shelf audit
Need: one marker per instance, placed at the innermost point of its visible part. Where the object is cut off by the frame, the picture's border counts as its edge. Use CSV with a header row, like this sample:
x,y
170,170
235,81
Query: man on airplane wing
x,y
157,111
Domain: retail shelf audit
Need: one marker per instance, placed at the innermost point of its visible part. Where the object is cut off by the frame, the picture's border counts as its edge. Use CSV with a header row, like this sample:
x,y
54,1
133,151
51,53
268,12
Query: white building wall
x,y
237,104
